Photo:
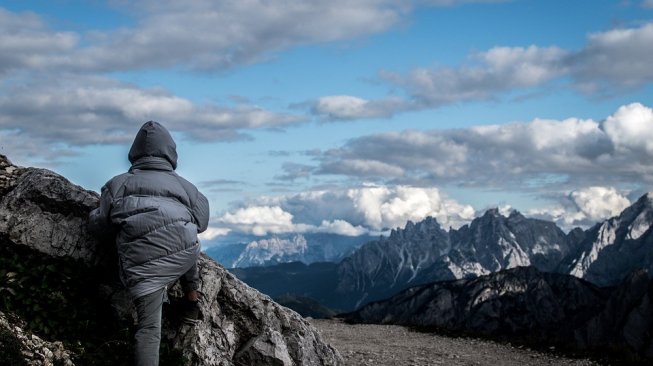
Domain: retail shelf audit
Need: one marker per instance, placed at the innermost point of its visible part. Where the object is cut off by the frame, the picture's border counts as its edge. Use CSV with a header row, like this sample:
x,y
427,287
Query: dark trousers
x,y
148,330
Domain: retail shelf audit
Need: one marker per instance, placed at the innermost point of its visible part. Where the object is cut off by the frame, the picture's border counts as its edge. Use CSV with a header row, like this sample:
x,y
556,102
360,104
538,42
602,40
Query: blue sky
x,y
343,116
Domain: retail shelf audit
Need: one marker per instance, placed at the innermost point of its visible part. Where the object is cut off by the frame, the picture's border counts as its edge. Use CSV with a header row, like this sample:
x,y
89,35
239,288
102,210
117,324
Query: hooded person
x,y
155,216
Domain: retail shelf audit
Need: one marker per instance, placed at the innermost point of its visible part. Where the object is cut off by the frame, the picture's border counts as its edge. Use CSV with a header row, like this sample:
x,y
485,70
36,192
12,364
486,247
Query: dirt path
x,y
388,345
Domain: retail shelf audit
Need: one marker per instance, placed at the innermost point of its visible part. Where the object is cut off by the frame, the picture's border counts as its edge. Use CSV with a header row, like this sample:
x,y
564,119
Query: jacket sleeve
x,y
99,219
201,212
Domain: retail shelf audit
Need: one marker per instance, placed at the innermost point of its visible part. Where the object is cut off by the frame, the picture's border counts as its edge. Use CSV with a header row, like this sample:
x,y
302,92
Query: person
x,y
155,216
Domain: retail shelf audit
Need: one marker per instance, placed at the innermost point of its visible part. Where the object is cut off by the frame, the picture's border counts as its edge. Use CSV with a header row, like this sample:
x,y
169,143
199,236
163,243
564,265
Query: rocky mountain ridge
x,y
43,220
525,305
611,250
423,252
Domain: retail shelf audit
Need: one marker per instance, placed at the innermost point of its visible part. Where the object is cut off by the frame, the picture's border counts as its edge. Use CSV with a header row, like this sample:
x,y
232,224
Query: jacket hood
x,y
154,140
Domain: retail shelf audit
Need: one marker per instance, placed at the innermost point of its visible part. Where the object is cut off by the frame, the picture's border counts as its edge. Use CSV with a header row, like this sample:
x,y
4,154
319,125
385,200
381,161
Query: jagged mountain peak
x,y
492,212
613,248
425,226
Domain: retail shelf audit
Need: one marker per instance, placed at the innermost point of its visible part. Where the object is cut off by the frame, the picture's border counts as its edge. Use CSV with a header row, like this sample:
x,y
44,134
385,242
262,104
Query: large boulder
x,y
43,227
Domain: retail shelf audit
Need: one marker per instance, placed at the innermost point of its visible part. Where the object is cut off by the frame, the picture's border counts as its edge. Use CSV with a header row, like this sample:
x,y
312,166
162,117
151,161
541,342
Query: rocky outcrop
x,y
43,215
611,250
20,347
526,305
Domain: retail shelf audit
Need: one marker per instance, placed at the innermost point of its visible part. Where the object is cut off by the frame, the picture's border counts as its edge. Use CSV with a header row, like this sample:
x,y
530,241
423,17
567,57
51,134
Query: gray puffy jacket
x,y
155,215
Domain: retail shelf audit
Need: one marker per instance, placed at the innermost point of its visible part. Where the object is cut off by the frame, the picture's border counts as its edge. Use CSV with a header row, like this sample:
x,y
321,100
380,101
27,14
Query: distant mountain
x,y
423,252
316,280
305,306
307,248
226,254
611,250
529,306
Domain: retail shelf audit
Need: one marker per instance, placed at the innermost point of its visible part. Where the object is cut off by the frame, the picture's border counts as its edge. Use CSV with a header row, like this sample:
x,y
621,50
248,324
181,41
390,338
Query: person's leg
x,y
190,284
148,330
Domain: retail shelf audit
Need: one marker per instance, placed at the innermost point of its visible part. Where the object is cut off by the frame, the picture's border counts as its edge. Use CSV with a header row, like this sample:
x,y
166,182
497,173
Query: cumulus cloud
x,y
584,207
616,58
630,130
205,35
261,220
264,220
519,155
500,69
613,60
213,232
352,212
26,42
96,110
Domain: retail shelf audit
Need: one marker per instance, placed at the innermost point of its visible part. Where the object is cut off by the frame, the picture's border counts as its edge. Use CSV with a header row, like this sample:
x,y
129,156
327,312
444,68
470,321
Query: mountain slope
x,y
526,305
614,248
424,252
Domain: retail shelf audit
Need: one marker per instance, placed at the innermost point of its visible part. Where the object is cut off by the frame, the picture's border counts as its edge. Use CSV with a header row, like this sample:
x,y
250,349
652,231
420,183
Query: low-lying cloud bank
x,y
352,212
376,209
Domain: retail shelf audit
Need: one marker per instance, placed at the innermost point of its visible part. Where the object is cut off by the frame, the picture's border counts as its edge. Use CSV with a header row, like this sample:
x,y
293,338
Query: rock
x,y
29,347
611,250
44,213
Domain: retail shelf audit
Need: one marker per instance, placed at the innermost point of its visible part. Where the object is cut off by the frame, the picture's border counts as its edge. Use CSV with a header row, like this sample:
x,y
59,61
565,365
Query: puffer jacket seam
x,y
161,226
191,200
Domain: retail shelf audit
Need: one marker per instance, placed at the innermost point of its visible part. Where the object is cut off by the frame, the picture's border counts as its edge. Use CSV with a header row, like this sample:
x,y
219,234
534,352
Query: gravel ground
x,y
389,345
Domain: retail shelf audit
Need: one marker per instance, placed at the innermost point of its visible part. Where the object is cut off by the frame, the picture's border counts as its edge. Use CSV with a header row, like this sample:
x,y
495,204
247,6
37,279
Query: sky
x,y
346,117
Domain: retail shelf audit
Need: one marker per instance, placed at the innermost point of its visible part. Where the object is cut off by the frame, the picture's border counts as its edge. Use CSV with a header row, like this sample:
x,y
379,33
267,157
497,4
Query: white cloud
x,y
342,107
341,227
616,58
584,207
647,4
205,34
95,110
352,212
599,203
201,35
213,232
500,69
610,61
630,129
519,155
261,220
25,41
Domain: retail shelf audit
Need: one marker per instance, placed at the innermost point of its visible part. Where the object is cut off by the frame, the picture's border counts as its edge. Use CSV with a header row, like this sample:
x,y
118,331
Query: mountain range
x,y
423,252
252,251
